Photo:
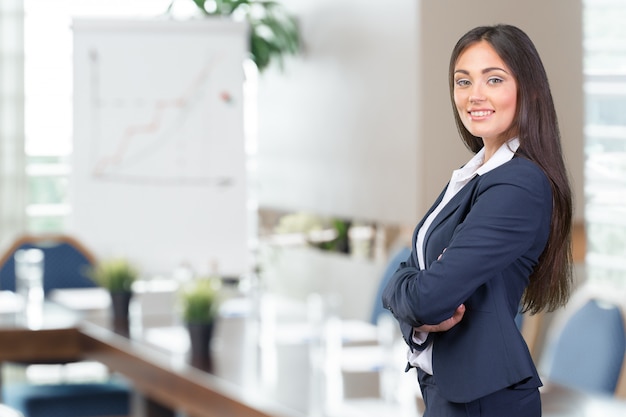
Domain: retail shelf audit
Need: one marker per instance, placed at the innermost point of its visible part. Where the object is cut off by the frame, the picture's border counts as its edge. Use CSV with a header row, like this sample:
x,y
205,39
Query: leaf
x,y
272,36
200,300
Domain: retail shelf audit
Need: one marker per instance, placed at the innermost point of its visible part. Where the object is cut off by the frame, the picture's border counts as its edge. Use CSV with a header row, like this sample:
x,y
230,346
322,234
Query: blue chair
x,y
94,399
531,327
394,262
66,262
588,352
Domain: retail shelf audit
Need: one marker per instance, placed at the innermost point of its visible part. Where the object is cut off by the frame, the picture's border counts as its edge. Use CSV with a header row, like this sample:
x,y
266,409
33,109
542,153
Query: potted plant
x,y
200,303
117,276
273,32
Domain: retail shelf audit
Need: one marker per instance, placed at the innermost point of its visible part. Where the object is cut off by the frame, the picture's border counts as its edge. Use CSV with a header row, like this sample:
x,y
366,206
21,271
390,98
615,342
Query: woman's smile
x,y
485,94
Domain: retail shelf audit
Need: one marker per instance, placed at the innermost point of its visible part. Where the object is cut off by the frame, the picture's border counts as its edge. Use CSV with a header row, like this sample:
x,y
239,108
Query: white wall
x,y
333,123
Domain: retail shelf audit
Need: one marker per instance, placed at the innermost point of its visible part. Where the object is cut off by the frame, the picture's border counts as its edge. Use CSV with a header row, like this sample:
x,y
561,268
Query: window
x,y
48,98
605,140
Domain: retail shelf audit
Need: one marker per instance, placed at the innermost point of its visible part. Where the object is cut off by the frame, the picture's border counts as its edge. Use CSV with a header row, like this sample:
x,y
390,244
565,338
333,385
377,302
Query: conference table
x,y
251,376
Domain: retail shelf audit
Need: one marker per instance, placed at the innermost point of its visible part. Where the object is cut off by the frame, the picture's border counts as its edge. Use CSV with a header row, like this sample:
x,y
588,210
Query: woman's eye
x,y
462,83
494,80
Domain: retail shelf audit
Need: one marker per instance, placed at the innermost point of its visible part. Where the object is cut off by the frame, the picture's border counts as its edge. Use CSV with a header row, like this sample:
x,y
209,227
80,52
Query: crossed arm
x,y
446,324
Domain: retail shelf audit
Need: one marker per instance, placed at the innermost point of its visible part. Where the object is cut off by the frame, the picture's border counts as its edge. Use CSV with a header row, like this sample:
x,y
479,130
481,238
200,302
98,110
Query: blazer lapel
x,y
449,208
419,225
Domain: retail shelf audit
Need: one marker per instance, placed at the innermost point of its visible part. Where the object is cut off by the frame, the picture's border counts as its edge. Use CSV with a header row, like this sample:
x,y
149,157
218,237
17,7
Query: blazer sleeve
x,y
406,328
507,221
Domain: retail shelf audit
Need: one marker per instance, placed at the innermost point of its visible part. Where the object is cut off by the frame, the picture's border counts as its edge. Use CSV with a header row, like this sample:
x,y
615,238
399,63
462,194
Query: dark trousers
x,y
509,402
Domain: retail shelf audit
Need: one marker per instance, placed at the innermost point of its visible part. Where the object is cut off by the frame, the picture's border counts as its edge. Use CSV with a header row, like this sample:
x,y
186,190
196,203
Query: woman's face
x,y
485,93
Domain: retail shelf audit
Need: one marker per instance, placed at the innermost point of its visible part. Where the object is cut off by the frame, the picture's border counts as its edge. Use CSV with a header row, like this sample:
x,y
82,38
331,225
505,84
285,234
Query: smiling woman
x,y
485,95
496,238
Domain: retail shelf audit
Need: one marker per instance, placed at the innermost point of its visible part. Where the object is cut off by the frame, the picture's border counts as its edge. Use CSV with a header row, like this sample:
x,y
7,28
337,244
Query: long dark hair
x,y
537,128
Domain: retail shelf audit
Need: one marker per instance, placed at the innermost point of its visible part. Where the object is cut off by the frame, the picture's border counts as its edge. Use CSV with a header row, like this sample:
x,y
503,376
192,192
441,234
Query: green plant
x,y
273,32
200,300
341,242
116,274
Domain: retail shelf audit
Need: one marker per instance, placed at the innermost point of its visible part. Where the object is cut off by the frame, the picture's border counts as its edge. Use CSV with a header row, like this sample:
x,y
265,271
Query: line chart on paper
x,y
165,136
159,158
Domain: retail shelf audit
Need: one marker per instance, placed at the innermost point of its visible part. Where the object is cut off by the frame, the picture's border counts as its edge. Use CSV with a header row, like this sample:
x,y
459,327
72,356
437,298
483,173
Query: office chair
x,y
399,256
374,374
587,353
531,327
359,361
65,264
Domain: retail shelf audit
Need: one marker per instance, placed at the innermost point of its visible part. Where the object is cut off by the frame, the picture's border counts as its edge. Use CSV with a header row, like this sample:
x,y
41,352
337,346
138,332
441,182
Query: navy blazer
x,y
493,231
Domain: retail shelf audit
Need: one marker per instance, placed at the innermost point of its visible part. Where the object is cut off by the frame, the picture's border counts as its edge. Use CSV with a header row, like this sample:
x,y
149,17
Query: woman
x,y
497,238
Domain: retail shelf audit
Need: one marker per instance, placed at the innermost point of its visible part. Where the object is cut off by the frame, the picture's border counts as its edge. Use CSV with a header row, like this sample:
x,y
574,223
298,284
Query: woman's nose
x,y
476,95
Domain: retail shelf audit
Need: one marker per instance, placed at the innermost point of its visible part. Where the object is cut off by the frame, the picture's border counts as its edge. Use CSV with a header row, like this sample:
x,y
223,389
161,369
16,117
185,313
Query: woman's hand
x,y
446,324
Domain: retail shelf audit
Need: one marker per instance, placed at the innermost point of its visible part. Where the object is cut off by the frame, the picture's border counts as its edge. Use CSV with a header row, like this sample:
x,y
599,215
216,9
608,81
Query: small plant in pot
x,y
117,276
200,303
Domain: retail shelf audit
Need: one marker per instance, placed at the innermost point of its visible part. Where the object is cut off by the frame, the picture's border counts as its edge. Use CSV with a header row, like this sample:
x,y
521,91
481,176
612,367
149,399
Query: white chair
x,y
6,411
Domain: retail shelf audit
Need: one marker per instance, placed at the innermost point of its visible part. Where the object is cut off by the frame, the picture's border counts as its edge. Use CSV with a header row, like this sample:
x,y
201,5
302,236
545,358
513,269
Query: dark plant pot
x,y
200,335
120,302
